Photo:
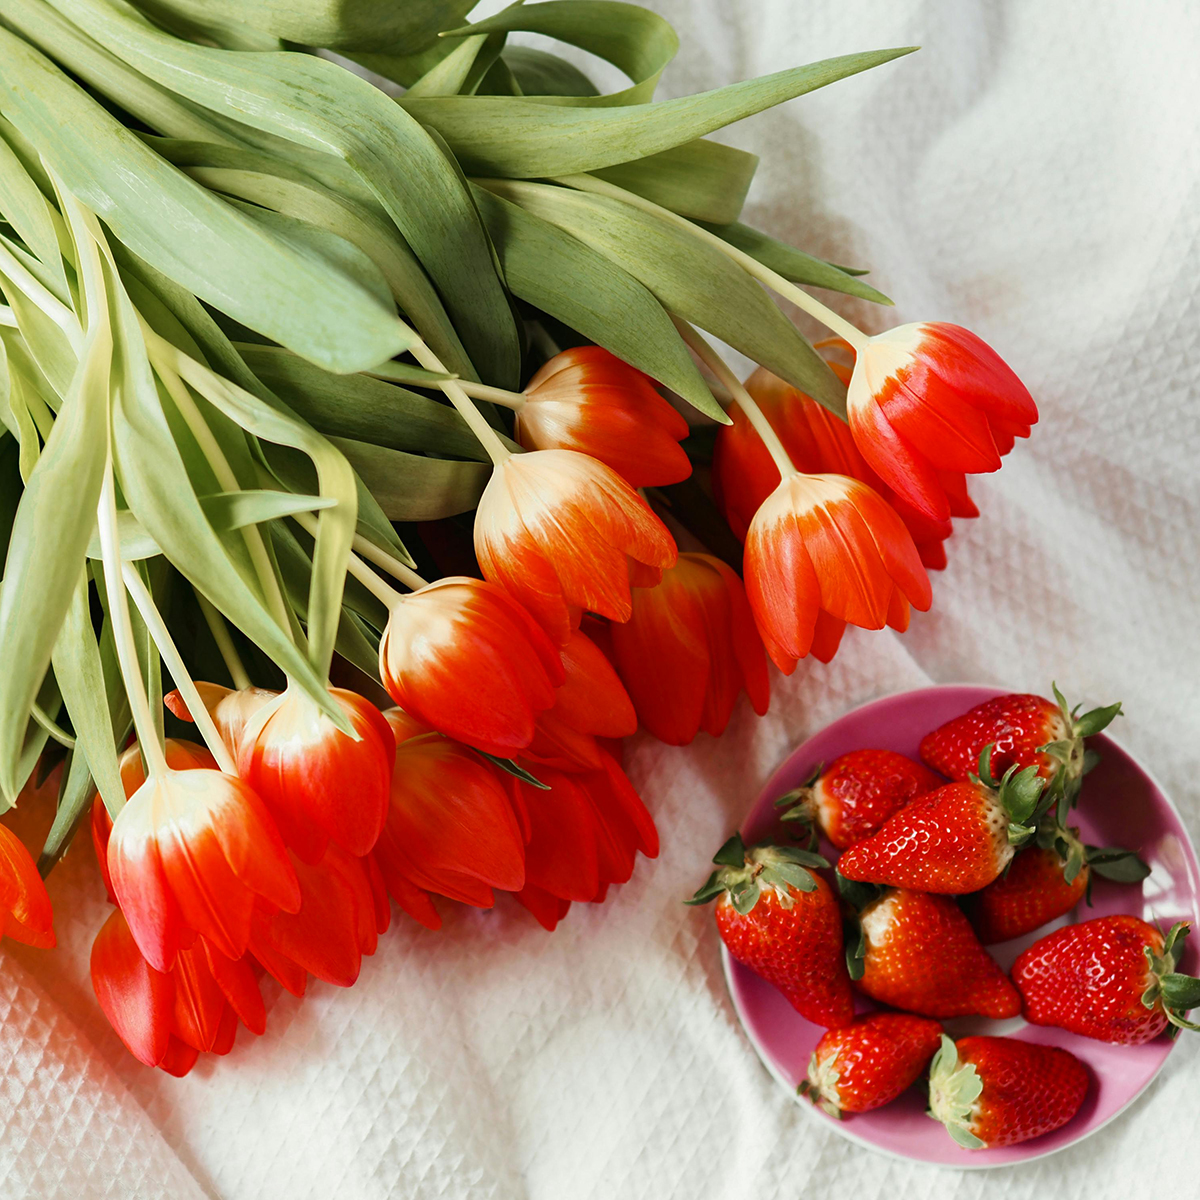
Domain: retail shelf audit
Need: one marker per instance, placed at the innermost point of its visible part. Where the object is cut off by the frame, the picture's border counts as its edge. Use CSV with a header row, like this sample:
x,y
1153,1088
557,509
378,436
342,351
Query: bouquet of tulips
x,y
401,382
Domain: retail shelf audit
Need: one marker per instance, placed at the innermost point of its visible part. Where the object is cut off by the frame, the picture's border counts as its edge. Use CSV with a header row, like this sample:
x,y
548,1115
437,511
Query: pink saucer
x,y
1121,805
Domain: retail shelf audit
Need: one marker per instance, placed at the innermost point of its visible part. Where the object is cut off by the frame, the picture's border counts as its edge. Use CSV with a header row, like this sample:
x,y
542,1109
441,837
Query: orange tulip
x,y
587,399
167,1019
933,397
824,550
465,658
584,834
25,912
591,703
450,828
744,474
319,784
689,649
563,533
192,852
338,922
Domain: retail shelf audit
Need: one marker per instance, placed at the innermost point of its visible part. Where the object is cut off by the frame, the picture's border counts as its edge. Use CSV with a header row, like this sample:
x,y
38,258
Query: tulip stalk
x,y
737,391
220,631
776,282
165,358
122,626
497,451
169,652
368,550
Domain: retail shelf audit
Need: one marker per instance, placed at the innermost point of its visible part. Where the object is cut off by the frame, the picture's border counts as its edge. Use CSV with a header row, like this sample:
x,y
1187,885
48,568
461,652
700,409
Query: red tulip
x,y
824,550
450,828
689,649
193,852
585,831
167,1019
587,399
321,785
744,474
25,912
933,397
592,702
338,921
563,533
465,658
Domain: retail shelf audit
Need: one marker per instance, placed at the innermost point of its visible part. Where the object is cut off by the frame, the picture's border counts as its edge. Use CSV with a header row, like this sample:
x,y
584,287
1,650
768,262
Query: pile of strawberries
x,y
930,872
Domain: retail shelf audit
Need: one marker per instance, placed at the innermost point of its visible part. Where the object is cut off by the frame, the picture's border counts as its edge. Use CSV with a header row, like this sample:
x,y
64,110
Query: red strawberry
x,y
997,1091
1112,978
852,797
953,840
1044,882
783,922
868,1064
1025,731
918,952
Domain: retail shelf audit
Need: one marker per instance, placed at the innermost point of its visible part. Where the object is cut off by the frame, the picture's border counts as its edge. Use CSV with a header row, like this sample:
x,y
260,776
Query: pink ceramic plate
x,y
1121,805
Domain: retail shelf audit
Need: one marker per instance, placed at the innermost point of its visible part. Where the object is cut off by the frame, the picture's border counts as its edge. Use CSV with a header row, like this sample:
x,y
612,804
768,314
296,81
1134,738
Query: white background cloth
x,y
1034,174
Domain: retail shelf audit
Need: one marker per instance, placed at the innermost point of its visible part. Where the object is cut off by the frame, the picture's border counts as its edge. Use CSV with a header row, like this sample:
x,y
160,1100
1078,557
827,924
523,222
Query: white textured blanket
x,y
1033,173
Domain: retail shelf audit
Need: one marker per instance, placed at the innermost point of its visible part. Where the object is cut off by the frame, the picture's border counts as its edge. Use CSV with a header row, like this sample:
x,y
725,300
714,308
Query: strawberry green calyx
x,y
744,874
857,896
800,806
1111,862
821,1084
1019,794
954,1091
1074,758
1176,994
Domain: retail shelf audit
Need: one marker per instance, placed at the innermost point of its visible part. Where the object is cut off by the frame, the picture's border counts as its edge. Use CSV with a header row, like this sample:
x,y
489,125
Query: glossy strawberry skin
x,y
868,1064
1089,979
852,797
1028,1090
1030,894
923,956
951,841
1017,725
798,949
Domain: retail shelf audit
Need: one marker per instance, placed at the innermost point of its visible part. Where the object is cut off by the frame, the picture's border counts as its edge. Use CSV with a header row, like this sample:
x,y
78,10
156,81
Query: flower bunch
x,y
328,401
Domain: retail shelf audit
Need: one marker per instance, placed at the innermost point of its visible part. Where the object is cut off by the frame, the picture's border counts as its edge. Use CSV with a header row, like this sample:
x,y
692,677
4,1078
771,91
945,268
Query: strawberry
x,y
918,952
954,840
1025,731
784,923
1044,882
1112,978
852,797
998,1091
868,1064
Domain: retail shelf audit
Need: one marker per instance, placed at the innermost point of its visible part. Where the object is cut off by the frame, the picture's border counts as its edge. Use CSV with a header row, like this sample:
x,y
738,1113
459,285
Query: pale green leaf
x,y
588,291
493,136
689,277
410,487
704,180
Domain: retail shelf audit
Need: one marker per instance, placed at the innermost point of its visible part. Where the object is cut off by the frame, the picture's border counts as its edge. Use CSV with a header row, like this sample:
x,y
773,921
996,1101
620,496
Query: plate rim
x,y
840,1127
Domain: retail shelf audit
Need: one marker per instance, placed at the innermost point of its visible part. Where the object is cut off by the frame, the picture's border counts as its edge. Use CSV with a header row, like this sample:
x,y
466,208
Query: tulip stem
x,y
737,390
376,554
485,391
497,451
776,282
177,389
170,655
122,627
220,631
389,562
